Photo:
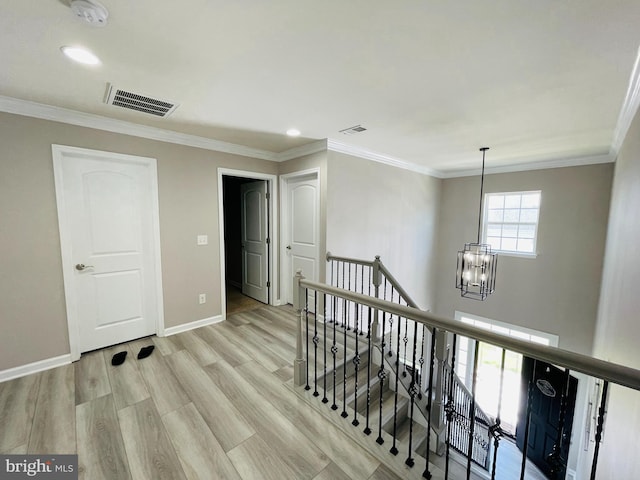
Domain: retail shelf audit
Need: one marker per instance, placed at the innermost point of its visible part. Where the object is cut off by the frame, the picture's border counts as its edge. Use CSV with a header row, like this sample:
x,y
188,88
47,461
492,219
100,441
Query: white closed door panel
x,y
254,234
107,211
303,210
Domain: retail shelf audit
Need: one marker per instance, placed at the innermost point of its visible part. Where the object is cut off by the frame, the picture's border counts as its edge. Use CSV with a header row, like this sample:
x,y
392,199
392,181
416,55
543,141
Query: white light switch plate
x,y
203,239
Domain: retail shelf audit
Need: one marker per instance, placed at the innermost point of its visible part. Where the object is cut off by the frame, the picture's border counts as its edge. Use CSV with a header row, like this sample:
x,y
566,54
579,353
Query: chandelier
x,y
476,269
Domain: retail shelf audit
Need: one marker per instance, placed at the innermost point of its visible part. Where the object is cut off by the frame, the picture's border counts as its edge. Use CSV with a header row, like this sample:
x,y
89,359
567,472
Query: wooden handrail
x,y
615,373
377,262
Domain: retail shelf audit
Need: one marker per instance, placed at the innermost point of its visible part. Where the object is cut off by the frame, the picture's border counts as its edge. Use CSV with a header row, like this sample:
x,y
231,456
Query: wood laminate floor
x,y
238,302
211,403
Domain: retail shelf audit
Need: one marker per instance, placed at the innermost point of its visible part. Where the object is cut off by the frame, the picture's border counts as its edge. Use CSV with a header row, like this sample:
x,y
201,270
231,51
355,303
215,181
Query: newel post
x,y
438,409
299,365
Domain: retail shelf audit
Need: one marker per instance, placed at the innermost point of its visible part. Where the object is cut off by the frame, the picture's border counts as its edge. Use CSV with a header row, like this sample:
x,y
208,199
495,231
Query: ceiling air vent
x,y
138,102
353,130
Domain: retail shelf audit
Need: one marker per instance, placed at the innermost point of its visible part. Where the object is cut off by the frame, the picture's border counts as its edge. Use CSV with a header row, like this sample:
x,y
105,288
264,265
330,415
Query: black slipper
x,y
118,358
145,352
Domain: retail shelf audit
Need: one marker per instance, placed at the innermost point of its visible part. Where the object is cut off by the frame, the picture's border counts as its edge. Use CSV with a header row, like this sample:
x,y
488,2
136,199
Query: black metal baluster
x,y
413,391
382,376
361,317
405,340
349,315
356,364
463,429
421,360
432,357
334,351
450,407
334,282
458,419
344,318
472,408
390,322
324,347
527,428
370,280
315,340
306,315
461,418
344,413
496,430
367,430
599,427
394,449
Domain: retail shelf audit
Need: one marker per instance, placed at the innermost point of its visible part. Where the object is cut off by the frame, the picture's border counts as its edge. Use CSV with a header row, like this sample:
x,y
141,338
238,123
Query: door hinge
x,y
268,284
268,240
268,196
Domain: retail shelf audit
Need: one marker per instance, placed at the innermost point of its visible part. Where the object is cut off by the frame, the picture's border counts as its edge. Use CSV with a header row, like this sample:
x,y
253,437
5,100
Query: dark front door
x,y
548,386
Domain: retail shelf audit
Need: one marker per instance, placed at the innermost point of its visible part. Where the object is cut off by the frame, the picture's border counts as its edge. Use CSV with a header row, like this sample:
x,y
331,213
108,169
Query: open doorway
x,y
246,227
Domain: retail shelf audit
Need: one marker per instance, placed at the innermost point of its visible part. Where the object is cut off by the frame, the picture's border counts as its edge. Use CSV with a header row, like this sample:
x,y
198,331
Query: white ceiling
x,y
432,81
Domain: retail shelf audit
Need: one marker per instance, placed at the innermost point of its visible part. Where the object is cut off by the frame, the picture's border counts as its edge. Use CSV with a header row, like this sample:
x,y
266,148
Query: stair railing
x,y
316,338
373,278
460,422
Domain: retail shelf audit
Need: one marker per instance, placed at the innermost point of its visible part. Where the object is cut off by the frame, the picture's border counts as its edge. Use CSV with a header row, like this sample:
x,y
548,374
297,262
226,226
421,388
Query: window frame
x,y
485,223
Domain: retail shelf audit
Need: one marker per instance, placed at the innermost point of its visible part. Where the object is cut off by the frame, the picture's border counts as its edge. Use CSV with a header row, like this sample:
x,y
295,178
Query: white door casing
x,y
301,224
109,222
272,230
254,227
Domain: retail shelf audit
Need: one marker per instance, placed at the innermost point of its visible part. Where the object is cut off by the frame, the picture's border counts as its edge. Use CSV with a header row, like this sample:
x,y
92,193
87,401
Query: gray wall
x,y
375,209
618,329
32,307
557,292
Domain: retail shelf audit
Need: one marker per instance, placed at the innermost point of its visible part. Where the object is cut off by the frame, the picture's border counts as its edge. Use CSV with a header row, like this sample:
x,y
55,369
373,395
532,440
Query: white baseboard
x,y
191,325
35,367
571,474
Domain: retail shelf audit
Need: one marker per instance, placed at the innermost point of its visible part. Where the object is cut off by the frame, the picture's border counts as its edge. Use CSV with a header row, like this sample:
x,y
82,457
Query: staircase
x,y
381,369
376,370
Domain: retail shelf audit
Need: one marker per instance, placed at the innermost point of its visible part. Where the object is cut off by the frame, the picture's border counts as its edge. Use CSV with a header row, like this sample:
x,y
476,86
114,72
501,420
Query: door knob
x,y
82,266
288,247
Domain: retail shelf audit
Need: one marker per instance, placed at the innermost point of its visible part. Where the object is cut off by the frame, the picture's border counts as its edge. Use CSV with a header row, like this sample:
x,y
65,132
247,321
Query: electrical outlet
x,y
202,298
202,239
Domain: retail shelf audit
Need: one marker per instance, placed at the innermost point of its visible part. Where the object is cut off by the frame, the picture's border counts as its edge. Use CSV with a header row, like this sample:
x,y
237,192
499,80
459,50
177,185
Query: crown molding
x,y
90,120
542,165
302,150
629,108
355,151
58,114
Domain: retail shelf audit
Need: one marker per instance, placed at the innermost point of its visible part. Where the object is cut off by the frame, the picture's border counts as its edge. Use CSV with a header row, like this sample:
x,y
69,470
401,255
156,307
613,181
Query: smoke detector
x,y
90,11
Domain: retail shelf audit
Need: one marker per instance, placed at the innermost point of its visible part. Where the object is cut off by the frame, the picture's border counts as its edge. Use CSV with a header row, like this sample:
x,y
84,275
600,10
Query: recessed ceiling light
x,y
80,55
293,132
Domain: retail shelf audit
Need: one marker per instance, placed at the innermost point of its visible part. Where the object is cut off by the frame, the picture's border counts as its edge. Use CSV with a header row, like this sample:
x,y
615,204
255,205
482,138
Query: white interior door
x,y
107,210
255,231
301,236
